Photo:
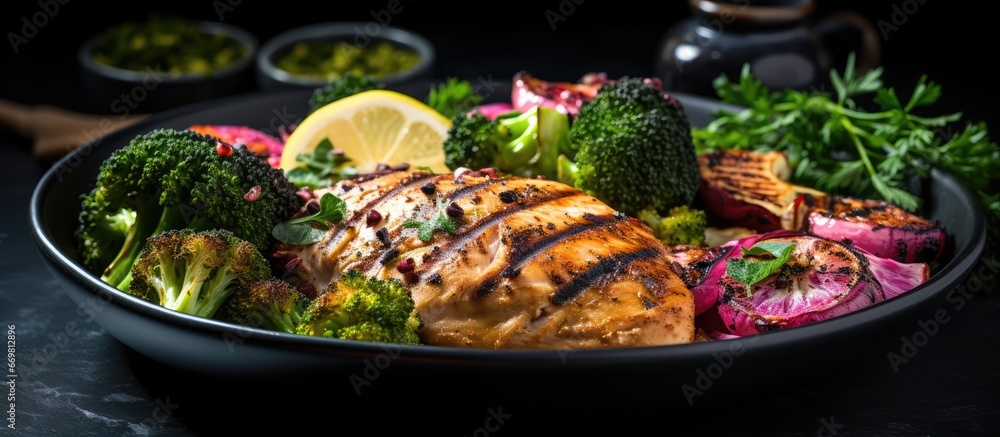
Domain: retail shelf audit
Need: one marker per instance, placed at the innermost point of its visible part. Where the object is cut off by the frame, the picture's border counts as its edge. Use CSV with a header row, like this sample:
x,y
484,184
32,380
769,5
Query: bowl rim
x,y
238,34
949,275
338,30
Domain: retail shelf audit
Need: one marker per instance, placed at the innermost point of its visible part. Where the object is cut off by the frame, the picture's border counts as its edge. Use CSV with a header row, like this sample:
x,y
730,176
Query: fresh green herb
x,y
173,45
320,168
441,221
752,271
838,146
331,60
453,97
426,168
301,230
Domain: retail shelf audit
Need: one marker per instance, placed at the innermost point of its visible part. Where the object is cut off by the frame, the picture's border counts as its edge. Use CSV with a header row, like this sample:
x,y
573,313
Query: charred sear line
x,y
525,248
607,267
470,189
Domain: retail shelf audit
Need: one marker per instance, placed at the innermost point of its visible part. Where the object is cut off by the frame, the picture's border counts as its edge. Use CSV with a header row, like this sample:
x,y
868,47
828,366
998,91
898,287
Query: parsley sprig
x,y
452,97
837,145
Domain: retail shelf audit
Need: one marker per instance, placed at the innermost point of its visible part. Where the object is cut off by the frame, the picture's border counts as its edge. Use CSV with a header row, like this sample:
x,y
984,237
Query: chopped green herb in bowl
x,y
173,45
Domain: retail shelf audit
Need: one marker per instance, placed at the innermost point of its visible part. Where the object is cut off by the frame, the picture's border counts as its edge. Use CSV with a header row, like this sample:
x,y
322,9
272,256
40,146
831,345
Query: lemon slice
x,y
374,127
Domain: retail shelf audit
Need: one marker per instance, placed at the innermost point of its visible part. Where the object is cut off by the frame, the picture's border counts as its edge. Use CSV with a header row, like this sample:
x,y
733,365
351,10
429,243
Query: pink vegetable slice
x,y
822,279
267,146
566,97
880,228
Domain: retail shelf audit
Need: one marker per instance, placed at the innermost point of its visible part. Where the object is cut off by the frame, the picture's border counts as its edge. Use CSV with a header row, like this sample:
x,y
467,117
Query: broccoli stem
x,y
214,293
553,137
523,131
196,274
567,170
150,219
121,266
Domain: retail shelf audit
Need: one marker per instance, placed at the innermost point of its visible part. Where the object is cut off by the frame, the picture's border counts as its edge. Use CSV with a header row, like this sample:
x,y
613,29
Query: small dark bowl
x,y
765,365
362,34
128,91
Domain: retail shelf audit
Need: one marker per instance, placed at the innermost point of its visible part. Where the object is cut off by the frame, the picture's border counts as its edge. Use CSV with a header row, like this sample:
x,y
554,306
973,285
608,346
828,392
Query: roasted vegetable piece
x,y
751,190
270,303
820,279
195,272
883,229
173,179
364,308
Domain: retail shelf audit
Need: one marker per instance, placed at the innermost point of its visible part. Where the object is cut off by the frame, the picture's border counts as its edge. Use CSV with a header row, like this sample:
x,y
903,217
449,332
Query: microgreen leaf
x,y
751,271
440,221
320,168
303,230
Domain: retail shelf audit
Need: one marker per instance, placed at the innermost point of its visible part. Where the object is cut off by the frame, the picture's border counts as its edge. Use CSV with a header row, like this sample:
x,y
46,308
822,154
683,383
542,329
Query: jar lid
x,y
755,11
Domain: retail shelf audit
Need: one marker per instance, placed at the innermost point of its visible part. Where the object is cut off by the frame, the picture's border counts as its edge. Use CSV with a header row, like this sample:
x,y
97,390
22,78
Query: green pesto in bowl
x,y
332,59
172,45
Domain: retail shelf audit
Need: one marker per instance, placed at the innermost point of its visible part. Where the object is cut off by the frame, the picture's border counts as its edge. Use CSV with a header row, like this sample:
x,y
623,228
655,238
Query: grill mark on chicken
x,y
452,243
469,189
526,249
605,268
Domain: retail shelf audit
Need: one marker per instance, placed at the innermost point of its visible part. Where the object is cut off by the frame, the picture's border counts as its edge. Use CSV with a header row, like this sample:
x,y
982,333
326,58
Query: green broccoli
x,y
172,179
270,303
343,86
195,272
631,148
518,143
362,308
682,226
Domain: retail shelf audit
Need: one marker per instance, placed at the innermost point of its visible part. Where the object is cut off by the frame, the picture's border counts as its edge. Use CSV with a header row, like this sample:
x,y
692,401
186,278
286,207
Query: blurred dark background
x,y
948,41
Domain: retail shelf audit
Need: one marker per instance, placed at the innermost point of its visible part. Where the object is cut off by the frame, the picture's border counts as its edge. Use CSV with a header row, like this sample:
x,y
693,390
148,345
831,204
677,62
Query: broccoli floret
x,y
632,149
518,143
362,308
270,303
174,179
195,272
343,86
682,226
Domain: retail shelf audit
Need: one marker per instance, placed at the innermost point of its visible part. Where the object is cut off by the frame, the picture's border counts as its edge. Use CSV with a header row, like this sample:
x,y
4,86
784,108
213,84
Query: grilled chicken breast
x,y
532,263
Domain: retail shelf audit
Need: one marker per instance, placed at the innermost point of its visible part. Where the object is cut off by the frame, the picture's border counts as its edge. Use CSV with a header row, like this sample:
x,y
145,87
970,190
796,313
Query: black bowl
x,y
360,34
130,92
211,347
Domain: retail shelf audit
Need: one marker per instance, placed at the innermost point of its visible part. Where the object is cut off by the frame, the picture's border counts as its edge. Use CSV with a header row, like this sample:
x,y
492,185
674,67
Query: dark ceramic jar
x,y
784,45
